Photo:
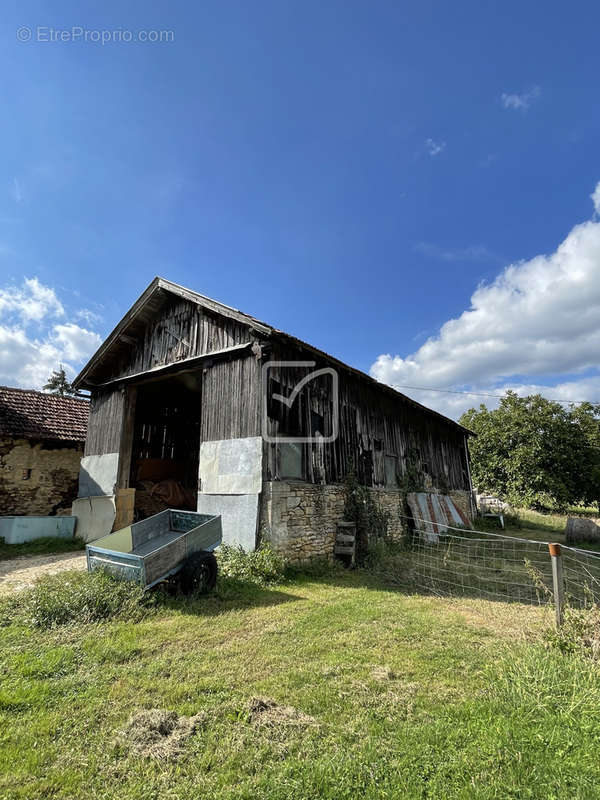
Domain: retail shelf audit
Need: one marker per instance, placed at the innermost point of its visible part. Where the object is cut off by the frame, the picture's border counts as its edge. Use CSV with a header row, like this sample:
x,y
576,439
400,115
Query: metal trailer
x,y
156,548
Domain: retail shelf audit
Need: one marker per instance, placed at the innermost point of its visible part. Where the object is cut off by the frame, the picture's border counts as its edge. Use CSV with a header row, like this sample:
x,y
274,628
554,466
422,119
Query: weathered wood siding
x,y
231,399
106,420
179,330
373,425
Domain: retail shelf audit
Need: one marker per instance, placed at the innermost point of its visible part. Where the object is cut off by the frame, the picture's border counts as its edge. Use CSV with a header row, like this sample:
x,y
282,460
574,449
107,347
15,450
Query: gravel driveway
x,y
18,573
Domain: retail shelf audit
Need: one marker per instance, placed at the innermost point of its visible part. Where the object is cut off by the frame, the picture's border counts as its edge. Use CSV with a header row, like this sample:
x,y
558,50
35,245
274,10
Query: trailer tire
x,y
198,573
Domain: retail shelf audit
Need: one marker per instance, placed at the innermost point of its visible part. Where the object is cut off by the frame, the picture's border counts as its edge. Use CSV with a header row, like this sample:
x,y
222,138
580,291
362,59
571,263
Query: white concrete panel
x,y
98,475
95,516
239,516
231,466
15,530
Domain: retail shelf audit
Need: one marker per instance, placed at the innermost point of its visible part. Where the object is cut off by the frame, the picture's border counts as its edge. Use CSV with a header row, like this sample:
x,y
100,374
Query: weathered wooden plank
x,y
106,418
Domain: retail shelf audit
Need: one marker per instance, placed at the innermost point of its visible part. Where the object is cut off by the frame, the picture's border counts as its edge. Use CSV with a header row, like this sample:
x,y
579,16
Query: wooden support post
x,y
558,582
126,442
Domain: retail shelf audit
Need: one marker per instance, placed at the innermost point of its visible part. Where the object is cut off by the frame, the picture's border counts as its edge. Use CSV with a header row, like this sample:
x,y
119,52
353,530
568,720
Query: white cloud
x,y
32,342
74,342
31,301
596,198
89,316
538,318
434,148
454,404
520,101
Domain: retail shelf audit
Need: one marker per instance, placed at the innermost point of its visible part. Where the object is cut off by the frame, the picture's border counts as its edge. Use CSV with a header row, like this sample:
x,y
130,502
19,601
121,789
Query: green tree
x,y
535,452
58,383
587,417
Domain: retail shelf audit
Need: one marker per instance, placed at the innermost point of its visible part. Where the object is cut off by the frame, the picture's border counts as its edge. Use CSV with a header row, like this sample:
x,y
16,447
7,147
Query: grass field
x,y
379,694
528,524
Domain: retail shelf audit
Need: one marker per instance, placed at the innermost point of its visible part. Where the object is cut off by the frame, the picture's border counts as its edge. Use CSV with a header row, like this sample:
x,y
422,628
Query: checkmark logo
x,y
276,371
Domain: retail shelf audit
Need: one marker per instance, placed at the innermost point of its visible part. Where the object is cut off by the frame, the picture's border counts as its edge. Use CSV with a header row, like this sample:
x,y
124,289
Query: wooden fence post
x,y
558,582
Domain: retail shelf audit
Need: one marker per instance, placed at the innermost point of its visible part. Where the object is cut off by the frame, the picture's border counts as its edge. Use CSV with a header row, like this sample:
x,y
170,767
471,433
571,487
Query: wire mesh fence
x,y
497,567
581,570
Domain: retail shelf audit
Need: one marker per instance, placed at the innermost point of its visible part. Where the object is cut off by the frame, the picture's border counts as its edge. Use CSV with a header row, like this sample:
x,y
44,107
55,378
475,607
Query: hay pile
x,y
383,673
159,734
266,712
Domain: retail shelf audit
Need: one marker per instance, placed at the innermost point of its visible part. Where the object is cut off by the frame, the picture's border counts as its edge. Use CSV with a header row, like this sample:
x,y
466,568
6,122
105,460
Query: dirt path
x,y
18,573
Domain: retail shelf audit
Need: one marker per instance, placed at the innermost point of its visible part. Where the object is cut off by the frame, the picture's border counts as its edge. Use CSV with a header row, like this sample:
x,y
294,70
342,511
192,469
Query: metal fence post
x,y
558,581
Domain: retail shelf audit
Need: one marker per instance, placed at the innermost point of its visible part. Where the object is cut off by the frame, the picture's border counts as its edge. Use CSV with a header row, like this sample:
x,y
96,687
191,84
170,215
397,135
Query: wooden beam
x,y
126,445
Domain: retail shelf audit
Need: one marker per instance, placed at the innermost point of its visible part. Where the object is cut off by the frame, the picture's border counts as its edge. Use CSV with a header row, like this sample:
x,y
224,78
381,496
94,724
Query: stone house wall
x,y
38,478
300,519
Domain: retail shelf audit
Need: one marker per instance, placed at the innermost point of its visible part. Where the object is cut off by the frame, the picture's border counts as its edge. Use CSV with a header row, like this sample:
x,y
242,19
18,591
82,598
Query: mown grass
x,y
46,545
411,696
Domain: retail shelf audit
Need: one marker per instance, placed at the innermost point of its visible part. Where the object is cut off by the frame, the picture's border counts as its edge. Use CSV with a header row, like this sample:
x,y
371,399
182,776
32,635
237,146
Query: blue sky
x,y
351,172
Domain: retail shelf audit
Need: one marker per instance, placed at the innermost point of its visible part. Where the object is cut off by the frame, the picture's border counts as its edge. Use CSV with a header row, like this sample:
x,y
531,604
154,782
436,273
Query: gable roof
x,y
28,414
151,300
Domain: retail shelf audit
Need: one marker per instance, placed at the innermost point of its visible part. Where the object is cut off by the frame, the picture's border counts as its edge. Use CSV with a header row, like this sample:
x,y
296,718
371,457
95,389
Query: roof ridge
x,y
41,393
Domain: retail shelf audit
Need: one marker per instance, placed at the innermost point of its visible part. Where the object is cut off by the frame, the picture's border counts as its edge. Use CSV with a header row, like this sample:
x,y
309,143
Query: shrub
x,y
578,634
81,597
262,566
360,507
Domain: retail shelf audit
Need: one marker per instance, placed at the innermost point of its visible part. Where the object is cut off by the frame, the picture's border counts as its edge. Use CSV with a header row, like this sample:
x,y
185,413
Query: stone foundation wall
x,y
37,478
300,519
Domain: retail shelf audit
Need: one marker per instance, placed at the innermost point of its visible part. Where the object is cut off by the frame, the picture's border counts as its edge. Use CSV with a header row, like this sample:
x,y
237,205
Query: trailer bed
x,y
150,551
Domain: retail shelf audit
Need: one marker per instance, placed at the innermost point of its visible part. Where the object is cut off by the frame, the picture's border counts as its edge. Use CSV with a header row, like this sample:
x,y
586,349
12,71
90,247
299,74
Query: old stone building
x,y
41,445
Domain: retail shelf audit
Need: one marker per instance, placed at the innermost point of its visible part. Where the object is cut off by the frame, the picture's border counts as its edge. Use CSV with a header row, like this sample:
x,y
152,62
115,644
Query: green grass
x,y
38,547
412,697
529,524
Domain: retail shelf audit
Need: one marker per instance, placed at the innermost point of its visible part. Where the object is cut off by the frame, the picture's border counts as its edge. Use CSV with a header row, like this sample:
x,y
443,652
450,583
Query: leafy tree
x,y
58,383
587,417
535,452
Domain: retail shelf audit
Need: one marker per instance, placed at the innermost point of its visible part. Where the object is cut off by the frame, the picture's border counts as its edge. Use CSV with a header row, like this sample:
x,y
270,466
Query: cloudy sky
x,y
412,187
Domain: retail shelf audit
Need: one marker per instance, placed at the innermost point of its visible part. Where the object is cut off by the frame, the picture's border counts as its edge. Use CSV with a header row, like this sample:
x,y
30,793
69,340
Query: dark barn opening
x,y
166,444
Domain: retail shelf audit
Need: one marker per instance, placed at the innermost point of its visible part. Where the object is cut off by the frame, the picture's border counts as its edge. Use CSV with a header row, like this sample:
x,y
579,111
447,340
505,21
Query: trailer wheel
x,y
198,573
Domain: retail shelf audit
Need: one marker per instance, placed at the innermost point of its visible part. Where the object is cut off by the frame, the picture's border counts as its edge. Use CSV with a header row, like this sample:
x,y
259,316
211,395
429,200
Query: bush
x,y
80,598
262,566
360,507
578,634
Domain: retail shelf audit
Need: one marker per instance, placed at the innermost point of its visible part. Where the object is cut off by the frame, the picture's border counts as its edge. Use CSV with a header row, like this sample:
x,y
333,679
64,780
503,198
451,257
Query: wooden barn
x,y
197,405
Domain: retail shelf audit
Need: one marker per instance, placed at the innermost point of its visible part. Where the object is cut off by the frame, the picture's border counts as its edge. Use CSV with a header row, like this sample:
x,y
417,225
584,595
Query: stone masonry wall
x,y
37,478
300,519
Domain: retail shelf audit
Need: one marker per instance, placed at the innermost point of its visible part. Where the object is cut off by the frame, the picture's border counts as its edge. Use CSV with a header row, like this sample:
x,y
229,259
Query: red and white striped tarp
x,y
433,513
